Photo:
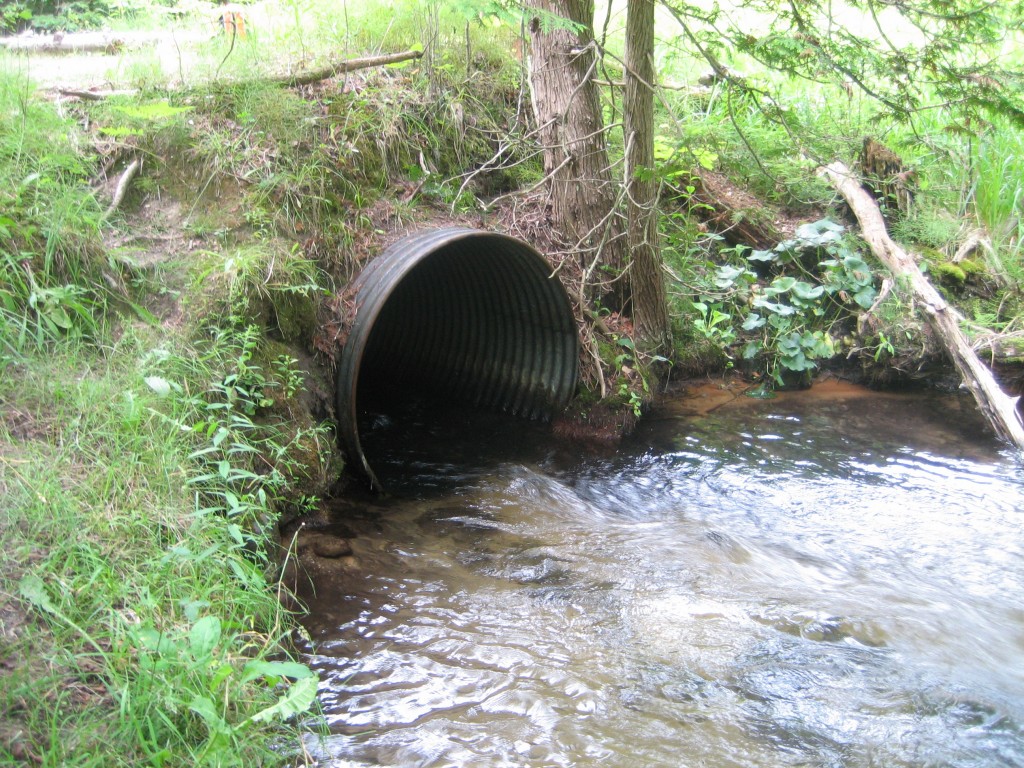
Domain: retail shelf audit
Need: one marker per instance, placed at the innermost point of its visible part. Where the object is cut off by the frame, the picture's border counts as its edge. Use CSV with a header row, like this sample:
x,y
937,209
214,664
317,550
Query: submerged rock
x,y
331,547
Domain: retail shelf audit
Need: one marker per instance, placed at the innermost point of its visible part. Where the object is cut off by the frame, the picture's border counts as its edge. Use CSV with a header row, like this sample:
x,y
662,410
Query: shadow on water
x,y
830,578
419,445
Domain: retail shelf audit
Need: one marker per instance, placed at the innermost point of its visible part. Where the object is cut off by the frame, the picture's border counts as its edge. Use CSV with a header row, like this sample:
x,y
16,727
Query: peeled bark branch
x,y
999,408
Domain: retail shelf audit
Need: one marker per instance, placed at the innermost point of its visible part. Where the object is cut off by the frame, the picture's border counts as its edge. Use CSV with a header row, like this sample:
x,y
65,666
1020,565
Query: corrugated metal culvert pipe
x,y
464,314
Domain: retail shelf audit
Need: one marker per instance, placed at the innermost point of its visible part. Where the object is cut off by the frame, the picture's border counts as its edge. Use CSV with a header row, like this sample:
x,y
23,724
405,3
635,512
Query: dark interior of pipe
x,y
471,324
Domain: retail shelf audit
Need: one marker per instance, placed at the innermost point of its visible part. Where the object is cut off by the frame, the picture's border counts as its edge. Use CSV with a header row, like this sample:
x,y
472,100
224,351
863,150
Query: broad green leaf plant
x,y
783,315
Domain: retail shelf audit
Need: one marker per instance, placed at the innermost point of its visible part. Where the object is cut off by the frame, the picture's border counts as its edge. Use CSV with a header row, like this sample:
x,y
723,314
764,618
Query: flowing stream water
x,y
830,578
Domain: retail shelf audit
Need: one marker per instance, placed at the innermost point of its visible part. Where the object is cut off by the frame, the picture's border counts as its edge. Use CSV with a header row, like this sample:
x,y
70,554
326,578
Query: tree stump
x,y
888,176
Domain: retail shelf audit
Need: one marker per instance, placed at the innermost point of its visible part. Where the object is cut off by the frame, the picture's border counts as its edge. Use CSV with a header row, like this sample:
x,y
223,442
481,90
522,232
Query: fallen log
x,y
340,67
999,408
58,44
303,78
730,211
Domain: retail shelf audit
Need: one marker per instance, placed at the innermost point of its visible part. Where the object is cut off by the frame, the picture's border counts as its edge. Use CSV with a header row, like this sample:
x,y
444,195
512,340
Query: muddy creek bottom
x,y
829,578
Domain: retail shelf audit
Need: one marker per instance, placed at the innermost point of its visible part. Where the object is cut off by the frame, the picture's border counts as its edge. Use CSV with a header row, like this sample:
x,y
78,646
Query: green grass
x,y
146,622
998,192
51,264
142,471
967,180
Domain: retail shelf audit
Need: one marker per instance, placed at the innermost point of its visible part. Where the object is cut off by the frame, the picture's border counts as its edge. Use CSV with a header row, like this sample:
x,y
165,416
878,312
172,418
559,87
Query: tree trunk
x,y
998,407
567,106
650,308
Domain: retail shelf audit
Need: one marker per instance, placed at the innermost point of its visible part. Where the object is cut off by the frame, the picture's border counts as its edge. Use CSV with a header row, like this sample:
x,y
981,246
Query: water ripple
x,y
768,585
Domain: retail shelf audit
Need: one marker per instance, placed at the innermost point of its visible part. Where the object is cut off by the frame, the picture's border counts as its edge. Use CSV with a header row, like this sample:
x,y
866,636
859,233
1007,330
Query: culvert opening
x,y
461,316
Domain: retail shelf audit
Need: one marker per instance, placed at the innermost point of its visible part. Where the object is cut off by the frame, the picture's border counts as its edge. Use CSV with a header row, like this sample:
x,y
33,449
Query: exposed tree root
x,y
122,186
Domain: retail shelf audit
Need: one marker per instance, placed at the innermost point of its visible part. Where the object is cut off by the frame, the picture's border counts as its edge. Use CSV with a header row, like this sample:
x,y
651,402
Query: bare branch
x,y
350,65
122,186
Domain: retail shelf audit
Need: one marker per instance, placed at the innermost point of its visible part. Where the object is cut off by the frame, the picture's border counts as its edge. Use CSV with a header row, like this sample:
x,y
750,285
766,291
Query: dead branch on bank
x,y
975,241
865,317
979,244
998,407
306,78
1000,347
62,45
75,93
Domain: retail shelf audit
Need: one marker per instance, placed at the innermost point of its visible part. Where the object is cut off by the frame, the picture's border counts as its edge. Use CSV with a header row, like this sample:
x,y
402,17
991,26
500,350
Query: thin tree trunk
x,y
650,308
998,407
567,107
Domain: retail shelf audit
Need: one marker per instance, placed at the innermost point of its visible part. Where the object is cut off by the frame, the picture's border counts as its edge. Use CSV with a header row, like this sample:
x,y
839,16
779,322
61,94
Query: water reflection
x,y
812,581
